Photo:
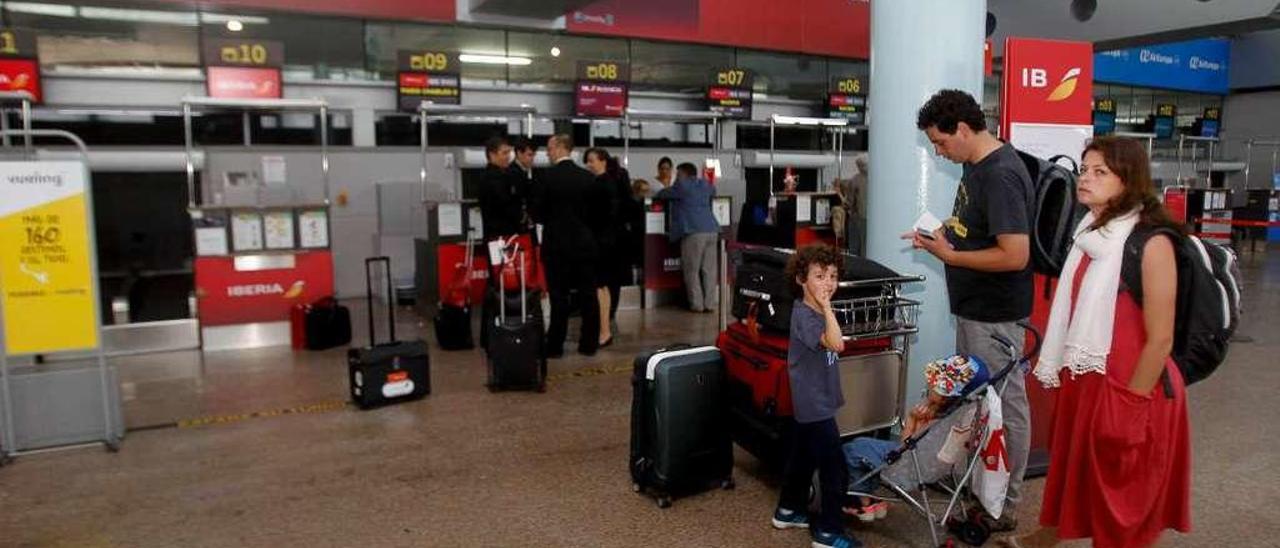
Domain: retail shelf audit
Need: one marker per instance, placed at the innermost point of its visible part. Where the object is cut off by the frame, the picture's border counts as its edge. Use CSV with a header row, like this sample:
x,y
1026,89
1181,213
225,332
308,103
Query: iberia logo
x,y
1066,87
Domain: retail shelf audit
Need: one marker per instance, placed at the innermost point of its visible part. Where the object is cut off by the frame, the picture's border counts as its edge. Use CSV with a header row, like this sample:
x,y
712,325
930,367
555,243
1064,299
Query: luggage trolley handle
x,y
391,309
502,290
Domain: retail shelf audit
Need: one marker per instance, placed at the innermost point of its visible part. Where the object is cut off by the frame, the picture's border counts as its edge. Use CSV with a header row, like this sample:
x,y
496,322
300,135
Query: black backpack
x,y
1056,212
1208,303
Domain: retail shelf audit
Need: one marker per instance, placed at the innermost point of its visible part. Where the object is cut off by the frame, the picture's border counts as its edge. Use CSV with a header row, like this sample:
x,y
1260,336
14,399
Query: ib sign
x,y
46,262
1048,82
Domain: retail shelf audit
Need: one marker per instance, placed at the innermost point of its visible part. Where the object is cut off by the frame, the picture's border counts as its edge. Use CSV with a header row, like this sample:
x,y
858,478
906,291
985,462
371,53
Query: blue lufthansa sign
x,y
1196,65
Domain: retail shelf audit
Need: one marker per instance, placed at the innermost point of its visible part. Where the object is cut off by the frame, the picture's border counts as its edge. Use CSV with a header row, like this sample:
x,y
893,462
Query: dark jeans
x,y
816,446
561,279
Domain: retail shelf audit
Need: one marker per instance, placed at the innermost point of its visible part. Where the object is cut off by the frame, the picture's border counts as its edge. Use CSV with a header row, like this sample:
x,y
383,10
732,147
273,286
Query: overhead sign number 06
x,y
8,43
849,85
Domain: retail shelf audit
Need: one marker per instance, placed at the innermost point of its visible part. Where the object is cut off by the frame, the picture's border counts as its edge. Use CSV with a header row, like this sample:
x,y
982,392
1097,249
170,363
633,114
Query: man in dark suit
x,y
502,215
522,170
501,198
569,249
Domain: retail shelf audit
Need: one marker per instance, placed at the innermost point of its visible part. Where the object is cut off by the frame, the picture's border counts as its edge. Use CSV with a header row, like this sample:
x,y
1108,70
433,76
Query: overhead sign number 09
x,y
732,77
429,62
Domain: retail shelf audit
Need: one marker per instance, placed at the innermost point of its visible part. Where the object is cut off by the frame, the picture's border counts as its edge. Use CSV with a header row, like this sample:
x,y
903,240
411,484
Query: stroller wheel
x,y
974,533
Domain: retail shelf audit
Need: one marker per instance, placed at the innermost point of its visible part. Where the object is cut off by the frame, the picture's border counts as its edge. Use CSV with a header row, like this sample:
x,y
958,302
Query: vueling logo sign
x,y
1039,78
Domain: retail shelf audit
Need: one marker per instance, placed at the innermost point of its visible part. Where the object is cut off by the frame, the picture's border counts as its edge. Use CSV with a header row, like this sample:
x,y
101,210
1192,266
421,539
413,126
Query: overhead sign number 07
x,y
734,77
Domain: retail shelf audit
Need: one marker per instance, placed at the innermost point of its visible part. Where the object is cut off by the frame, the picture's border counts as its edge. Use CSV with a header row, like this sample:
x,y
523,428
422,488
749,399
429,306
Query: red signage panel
x,y
1047,82
243,82
601,99
21,75
229,296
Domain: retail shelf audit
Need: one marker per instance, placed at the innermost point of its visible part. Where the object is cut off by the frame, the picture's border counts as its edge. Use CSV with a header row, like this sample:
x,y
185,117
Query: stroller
x,y
905,472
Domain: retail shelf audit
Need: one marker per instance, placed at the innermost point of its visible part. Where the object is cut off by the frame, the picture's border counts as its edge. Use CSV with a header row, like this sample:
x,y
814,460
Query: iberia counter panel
x,y
260,288
253,265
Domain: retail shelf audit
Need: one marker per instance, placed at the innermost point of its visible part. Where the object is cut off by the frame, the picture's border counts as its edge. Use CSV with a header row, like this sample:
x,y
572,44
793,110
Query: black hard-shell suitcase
x,y
327,325
679,440
389,372
515,353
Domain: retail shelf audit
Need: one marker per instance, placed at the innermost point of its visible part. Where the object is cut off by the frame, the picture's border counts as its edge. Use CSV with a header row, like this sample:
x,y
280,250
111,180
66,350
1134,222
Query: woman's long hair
x,y
1128,160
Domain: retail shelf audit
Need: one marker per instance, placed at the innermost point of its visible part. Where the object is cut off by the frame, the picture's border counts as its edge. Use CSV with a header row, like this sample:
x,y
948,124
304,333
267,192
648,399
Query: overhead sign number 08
x,y
603,71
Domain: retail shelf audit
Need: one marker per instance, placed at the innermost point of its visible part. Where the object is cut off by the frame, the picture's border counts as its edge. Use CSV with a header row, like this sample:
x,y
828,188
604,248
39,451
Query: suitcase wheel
x,y
728,484
636,487
664,502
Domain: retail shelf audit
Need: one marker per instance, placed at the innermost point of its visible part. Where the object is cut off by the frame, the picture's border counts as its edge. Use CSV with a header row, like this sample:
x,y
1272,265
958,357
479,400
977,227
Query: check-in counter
x,y
252,266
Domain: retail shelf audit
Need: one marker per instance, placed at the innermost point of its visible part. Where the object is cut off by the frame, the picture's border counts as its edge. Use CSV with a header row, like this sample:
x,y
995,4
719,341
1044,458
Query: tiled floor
x,y
469,468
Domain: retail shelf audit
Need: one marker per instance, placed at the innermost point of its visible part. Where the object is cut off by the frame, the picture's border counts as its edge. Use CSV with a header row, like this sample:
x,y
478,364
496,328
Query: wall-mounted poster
x,y
246,231
313,228
279,229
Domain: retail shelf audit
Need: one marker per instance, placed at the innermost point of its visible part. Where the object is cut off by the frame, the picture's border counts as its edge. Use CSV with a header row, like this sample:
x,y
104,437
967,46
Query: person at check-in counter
x,y
694,226
666,172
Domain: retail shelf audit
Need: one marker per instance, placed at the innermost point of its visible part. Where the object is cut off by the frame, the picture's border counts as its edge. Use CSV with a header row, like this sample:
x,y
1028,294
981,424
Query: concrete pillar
x,y
917,48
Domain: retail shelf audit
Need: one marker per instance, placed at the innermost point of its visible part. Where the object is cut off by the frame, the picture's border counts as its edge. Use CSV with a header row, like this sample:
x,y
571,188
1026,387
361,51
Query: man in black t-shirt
x,y
986,247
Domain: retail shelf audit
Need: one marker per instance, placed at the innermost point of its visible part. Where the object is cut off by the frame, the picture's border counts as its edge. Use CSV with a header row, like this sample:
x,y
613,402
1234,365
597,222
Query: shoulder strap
x,y
1131,267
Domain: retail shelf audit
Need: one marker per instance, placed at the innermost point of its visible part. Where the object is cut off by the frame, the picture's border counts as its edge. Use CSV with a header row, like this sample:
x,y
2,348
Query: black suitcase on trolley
x,y
679,440
762,292
515,353
389,372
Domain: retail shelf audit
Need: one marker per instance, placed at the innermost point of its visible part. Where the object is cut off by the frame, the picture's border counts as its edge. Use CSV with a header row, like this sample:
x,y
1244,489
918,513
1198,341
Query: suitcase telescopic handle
x,y
391,309
502,289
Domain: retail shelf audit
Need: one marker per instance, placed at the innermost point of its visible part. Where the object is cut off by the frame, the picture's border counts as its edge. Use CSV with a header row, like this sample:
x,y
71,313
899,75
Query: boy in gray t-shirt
x,y
815,345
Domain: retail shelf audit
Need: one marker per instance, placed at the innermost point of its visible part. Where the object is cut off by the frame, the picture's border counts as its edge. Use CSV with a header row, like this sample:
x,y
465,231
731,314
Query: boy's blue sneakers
x,y
790,519
834,540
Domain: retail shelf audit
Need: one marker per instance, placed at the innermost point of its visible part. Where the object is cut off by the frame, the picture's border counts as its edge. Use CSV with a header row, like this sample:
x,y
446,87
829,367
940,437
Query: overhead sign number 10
x,y
732,77
249,54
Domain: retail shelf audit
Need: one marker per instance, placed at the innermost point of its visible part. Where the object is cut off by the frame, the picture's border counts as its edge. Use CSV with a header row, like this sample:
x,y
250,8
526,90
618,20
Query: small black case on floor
x,y
515,353
389,372
327,324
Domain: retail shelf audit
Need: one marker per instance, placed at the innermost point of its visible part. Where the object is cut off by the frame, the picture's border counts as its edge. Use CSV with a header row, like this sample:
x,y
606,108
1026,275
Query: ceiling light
x,y
235,26
40,9
555,51
222,18
494,59
139,16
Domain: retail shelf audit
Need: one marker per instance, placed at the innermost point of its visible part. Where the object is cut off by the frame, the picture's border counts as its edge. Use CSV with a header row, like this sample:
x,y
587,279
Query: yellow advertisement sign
x,y
46,266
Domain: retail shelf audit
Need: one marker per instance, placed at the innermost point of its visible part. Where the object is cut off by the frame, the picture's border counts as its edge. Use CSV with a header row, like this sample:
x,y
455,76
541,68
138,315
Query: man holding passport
x,y
986,247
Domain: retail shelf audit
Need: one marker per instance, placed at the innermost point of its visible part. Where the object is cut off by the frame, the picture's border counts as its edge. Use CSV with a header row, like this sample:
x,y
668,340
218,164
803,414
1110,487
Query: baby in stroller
x,y
946,381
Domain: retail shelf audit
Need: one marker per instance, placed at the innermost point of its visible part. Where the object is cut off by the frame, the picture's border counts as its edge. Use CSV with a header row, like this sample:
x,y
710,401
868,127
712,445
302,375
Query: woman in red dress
x,y
1120,455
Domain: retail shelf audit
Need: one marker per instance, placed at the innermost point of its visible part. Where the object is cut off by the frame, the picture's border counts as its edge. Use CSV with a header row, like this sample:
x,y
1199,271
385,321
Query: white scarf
x,y
1080,340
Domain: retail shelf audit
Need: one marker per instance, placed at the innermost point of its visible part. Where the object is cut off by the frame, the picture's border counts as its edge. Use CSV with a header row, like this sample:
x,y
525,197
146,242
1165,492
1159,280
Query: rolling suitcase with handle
x,y
390,372
515,347
679,442
453,315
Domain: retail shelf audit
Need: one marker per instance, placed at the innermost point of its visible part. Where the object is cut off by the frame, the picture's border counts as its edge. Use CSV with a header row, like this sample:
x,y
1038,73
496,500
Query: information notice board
x,y
730,93
47,270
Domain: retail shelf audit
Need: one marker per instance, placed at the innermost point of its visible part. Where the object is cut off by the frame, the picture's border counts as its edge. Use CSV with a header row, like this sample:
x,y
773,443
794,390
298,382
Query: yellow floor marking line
x,y
325,407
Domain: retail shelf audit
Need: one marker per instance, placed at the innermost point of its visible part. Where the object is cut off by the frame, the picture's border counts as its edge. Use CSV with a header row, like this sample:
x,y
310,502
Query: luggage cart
x,y
879,311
